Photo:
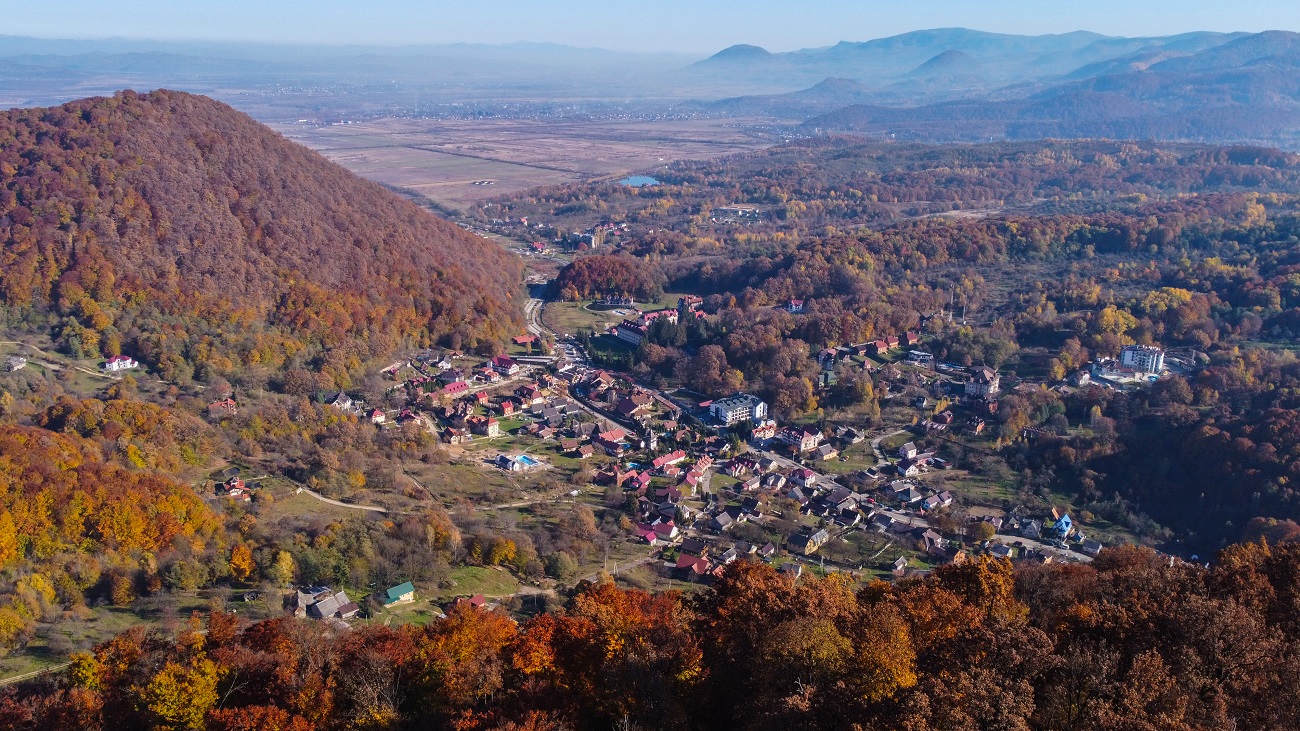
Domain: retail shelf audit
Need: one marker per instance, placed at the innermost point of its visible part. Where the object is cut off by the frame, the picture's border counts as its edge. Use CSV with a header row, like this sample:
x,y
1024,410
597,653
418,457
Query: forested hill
x,y
177,230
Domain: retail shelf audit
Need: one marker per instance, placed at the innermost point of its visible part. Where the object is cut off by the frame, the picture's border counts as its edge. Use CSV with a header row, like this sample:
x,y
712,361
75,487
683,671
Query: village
x,y
708,482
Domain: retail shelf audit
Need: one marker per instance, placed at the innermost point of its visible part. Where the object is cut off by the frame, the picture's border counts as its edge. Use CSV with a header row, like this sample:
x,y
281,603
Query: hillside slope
x,y
174,229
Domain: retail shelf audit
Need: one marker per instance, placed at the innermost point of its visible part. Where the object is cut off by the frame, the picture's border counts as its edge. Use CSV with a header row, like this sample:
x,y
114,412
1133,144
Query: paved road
x,y
875,445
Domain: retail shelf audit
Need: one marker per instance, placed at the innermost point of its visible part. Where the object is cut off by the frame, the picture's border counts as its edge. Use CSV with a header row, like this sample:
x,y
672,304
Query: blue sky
x,y
695,26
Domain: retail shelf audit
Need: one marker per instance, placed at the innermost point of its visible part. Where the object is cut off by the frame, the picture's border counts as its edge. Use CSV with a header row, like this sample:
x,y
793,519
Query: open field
x,y
442,159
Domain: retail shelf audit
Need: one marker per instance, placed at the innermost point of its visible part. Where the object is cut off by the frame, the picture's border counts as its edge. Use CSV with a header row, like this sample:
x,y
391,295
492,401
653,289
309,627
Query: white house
x,y
741,407
120,363
984,383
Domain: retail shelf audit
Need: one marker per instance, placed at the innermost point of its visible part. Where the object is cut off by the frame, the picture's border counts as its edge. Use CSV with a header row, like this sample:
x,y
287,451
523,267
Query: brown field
x,y
442,159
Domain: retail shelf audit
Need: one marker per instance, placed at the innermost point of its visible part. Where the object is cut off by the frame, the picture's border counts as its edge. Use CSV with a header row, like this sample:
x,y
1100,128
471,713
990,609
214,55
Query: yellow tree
x,y
180,696
241,562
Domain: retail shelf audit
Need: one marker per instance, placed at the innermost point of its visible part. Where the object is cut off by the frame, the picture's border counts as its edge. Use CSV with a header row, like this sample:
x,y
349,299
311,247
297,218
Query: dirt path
x,y
322,498
33,674
58,367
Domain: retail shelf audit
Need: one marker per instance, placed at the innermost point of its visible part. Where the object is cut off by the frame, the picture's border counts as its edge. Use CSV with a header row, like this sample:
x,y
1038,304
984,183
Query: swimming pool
x,y
527,461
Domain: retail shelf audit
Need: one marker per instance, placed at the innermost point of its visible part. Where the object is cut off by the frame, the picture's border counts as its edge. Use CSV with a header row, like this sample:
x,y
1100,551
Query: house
x,y
377,417
119,363
908,451
849,435
695,547
332,605
666,530
764,431
484,425
879,347
478,601
794,307
800,440
806,543
505,366
920,358
907,495
1090,547
722,521
984,383
737,467
224,407
908,468
15,363
766,552
672,458
1001,550
524,340
509,464
586,451
403,593
827,451
793,570
691,567
507,407
910,339
738,408
804,477
453,389
451,435
798,496
635,404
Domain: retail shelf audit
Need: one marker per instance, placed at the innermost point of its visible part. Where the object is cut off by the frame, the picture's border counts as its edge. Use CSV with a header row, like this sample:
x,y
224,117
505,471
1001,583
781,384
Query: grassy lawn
x,y
569,317
287,503
890,446
53,644
471,580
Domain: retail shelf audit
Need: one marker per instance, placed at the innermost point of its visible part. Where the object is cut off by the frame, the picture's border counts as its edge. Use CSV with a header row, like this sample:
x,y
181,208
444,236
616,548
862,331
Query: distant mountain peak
x,y
740,52
837,84
948,63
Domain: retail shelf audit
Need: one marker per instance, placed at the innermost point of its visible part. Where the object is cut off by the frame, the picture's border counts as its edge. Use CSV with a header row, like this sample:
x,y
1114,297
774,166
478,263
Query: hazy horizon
x,y
670,26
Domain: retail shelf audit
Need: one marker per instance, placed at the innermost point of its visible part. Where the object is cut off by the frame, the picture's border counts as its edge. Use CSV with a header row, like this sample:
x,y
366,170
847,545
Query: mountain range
x,y
980,86
940,85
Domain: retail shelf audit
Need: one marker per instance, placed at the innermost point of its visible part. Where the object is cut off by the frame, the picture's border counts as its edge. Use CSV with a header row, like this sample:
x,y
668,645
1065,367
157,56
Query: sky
x,y
688,26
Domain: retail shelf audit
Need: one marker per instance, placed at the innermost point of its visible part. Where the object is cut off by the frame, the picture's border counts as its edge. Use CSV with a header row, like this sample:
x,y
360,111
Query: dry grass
x,y
443,158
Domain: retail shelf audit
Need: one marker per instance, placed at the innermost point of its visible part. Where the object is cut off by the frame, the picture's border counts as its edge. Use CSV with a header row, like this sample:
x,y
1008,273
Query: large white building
x,y
740,407
1143,358
984,383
